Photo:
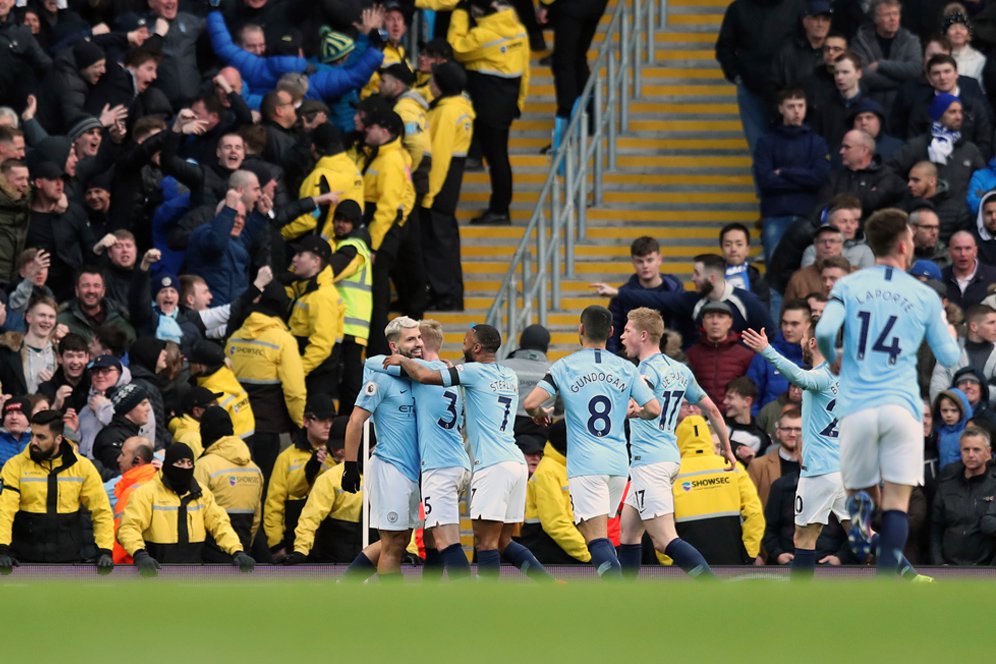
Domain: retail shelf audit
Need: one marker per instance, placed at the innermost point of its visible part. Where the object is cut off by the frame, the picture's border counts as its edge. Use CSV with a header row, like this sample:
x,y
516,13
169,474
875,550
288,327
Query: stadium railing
x,y
545,253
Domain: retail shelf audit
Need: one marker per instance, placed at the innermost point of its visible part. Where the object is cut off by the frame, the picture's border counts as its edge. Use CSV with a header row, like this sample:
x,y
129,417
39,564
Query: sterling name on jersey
x,y
392,402
654,441
491,397
887,314
438,411
820,448
596,387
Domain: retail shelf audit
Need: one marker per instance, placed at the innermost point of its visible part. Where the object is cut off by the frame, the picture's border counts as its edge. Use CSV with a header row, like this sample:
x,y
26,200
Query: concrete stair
x,y
683,172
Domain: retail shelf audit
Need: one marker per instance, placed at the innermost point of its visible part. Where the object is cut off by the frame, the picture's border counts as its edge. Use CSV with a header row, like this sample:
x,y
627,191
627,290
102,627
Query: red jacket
x,y
716,364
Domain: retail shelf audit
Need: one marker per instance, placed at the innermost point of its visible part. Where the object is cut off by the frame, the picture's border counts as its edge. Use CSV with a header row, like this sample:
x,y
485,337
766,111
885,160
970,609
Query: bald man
x,y
925,183
862,175
967,278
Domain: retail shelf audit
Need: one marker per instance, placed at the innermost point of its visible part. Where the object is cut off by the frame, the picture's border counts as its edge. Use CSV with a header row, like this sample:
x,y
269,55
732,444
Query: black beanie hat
x,y
87,53
175,452
273,301
450,78
215,424
145,352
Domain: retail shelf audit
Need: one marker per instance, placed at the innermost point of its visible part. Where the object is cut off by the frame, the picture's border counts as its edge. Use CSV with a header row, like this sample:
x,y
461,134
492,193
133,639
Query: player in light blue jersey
x,y
654,450
887,313
498,487
393,471
445,465
596,388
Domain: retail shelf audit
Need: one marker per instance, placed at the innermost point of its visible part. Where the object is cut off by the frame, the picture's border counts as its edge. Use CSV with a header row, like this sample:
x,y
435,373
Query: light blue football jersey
x,y
654,441
491,397
596,387
439,414
885,314
392,402
820,447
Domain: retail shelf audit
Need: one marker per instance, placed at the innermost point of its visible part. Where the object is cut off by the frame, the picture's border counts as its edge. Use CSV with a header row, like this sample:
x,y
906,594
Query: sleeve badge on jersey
x,y
370,389
459,367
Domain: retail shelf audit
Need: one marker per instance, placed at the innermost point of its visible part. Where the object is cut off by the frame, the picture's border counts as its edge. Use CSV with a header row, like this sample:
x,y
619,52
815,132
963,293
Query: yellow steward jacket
x,y
290,484
717,511
336,173
265,359
227,470
393,54
451,127
421,87
387,185
317,318
40,506
329,528
355,283
234,399
548,505
498,46
173,529
187,430
412,109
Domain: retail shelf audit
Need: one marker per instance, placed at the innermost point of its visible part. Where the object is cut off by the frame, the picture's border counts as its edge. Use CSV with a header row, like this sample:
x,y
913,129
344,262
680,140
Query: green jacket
x,y
14,217
72,316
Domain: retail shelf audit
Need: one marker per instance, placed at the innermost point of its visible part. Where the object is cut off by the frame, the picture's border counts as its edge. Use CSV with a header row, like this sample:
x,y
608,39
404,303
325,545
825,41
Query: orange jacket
x,y
130,481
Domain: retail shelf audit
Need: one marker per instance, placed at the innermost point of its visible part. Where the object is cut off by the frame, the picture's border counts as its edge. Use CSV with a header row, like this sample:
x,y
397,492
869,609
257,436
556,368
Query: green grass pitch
x,y
269,621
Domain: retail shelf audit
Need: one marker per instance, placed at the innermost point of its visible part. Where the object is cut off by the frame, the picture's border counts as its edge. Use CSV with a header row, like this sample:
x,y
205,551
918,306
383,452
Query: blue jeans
x,y
776,306
772,230
753,115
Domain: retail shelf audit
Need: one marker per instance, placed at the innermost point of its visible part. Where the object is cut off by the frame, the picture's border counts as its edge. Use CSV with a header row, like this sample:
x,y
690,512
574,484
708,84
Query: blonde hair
x,y
432,334
393,329
648,320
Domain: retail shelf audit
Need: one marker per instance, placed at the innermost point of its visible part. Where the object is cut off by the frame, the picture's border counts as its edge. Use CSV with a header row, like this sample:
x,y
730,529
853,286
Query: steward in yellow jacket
x,y
170,517
716,511
395,85
207,363
226,470
496,54
329,530
317,314
334,172
388,193
296,470
549,531
42,491
352,268
265,360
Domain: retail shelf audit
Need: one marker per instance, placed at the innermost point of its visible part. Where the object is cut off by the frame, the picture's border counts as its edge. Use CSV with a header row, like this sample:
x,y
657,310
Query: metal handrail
x,y
531,286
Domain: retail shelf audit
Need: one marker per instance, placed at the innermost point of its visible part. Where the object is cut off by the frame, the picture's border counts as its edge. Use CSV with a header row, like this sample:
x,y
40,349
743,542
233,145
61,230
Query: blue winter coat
x,y
982,182
11,446
260,73
803,160
223,261
669,284
949,435
175,204
771,384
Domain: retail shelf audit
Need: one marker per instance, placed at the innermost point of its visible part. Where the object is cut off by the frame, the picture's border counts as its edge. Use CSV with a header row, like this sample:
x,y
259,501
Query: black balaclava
x,y
179,478
215,424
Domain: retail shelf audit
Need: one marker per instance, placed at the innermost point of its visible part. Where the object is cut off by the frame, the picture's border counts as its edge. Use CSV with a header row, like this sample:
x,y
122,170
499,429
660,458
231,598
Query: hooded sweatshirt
x,y
983,237
226,469
949,435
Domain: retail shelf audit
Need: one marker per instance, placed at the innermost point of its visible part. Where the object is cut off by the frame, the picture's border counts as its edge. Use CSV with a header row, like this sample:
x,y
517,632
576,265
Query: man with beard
x,y
709,277
97,198
38,527
90,308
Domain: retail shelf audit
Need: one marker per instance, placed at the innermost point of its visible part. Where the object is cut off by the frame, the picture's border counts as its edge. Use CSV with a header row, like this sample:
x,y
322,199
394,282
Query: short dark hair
x,y
72,342
838,262
826,228
10,164
938,39
642,246
145,453
977,312
89,269
819,297
489,337
733,226
792,413
8,134
843,202
147,124
884,229
137,57
254,136
51,419
743,386
797,304
211,104
837,34
113,339
849,55
268,106
711,262
941,59
597,321
790,93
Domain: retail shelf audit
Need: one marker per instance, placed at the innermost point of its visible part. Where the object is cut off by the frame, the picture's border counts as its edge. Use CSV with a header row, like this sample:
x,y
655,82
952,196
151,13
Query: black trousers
x,y
264,448
408,270
493,139
352,374
574,26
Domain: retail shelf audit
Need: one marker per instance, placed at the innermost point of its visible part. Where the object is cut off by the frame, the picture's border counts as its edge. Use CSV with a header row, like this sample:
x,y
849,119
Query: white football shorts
x,y
816,497
883,443
595,495
650,489
441,491
498,492
393,497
